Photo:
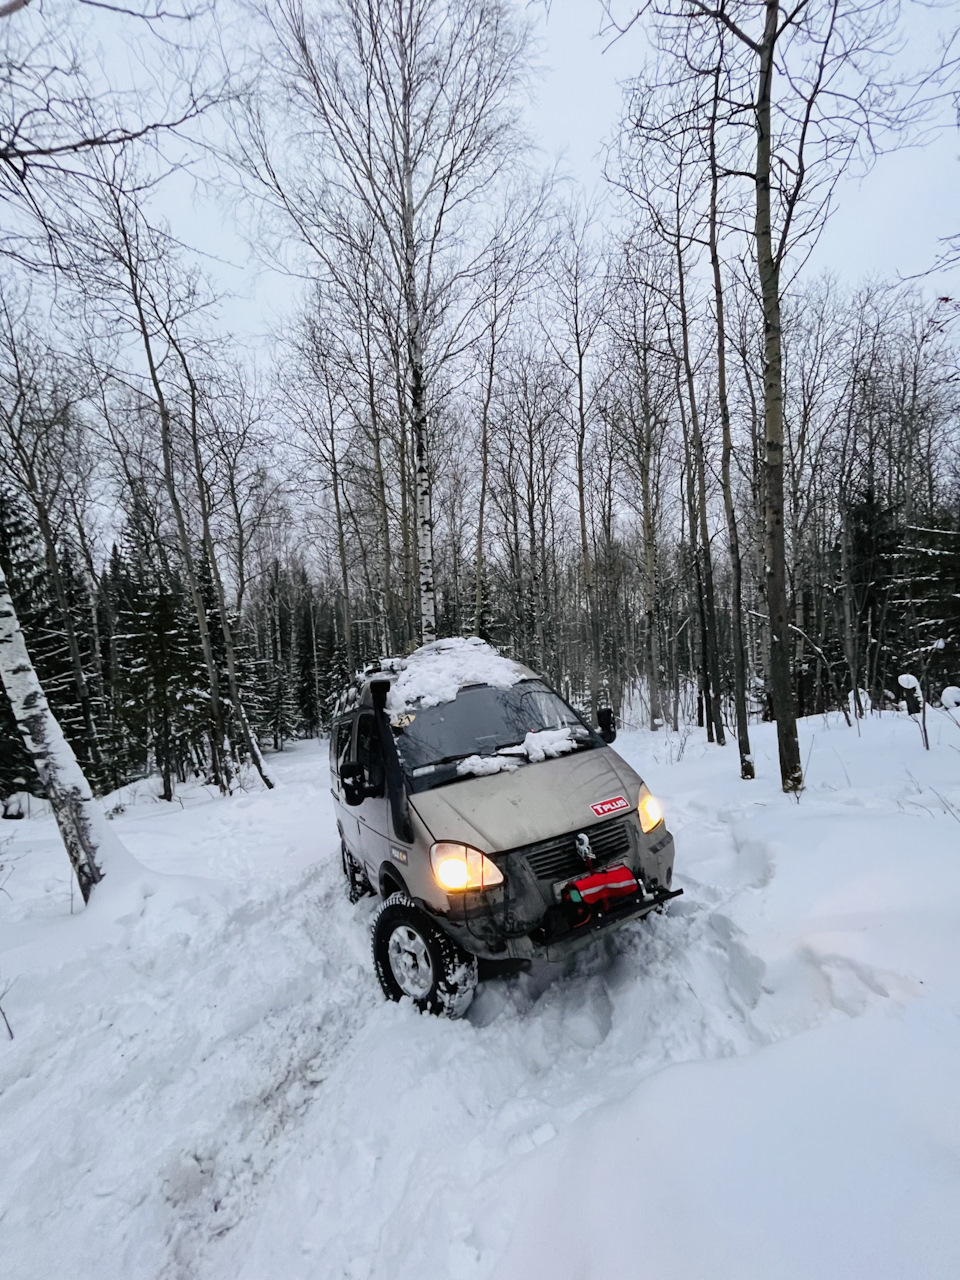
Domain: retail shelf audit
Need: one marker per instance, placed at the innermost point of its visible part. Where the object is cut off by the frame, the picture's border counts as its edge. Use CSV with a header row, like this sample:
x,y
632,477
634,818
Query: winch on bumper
x,y
530,915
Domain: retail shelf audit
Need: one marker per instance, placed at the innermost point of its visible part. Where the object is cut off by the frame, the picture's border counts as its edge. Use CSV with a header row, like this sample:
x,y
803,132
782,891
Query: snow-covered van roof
x,y
436,672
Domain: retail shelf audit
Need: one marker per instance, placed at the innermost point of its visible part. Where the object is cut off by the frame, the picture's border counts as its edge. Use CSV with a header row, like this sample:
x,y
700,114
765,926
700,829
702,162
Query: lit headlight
x,y
457,867
651,815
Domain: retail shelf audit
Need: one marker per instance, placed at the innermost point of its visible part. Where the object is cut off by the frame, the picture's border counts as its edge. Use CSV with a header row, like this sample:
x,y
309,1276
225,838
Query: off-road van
x,y
490,818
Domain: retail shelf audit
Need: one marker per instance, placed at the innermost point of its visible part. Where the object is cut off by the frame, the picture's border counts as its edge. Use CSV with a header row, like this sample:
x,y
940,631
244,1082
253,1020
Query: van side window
x,y
342,743
369,753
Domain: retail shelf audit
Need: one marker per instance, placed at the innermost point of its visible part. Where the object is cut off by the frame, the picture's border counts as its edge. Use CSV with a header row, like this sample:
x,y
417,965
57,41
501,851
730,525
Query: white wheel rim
x,y
410,962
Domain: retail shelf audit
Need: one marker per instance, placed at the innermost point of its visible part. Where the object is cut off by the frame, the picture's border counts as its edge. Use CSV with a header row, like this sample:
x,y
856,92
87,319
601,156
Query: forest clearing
x,y
206,1081
480,527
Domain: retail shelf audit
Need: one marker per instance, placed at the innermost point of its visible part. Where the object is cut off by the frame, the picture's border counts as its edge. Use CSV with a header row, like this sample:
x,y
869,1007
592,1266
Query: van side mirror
x,y
608,725
353,782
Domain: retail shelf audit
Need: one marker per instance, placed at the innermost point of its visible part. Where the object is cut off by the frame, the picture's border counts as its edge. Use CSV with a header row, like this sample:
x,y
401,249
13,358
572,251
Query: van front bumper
x,y
560,933
561,926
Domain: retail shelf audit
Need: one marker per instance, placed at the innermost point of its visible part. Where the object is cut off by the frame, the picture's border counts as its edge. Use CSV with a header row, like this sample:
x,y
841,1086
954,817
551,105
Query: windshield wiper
x,y
422,769
519,749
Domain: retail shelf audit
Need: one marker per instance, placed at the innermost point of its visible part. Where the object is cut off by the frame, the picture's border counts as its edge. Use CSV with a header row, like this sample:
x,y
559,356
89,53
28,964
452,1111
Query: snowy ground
x,y
765,1082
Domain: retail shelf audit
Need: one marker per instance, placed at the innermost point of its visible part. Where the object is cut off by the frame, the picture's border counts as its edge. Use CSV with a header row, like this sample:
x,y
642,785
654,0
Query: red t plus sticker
x,y
605,807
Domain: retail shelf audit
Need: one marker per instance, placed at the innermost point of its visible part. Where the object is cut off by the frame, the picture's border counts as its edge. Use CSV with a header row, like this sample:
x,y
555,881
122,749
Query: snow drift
x,y
211,1086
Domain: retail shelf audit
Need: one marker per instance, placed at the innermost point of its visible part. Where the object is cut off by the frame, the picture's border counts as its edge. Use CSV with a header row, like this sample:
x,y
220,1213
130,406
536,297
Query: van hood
x,y
538,801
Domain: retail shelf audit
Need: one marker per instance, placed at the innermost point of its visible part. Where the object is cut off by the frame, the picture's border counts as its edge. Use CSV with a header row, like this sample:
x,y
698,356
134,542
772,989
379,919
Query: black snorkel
x,y
393,772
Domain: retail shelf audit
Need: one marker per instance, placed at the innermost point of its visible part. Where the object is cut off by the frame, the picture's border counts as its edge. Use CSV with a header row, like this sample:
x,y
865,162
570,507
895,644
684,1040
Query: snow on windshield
x,y
527,722
547,744
544,744
437,671
481,766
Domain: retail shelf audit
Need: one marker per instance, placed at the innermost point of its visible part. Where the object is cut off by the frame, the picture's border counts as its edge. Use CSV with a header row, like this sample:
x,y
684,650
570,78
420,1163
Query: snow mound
x,y
483,766
547,744
436,672
541,744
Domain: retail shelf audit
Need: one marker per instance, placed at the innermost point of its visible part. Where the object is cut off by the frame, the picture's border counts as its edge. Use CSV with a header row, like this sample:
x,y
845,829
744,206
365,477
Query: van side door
x,y
374,812
341,751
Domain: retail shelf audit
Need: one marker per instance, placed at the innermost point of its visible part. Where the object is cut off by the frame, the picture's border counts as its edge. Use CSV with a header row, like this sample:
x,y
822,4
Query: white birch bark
x,y
428,607
81,825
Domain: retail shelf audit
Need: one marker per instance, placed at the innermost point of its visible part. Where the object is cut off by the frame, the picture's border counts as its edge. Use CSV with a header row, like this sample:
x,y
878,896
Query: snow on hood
x,y
436,672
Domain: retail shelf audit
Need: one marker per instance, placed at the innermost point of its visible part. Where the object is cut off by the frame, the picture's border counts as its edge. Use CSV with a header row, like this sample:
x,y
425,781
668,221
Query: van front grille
x,y
557,859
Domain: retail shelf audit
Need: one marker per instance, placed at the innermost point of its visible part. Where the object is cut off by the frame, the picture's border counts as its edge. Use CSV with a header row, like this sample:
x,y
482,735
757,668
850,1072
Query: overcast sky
x,y
888,223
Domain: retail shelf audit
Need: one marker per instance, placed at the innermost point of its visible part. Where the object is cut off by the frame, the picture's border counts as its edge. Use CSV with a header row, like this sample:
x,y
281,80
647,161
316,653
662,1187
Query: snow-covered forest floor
x,y
762,1083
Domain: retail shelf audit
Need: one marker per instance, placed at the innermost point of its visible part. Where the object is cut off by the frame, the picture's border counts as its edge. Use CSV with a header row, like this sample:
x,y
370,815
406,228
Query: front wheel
x,y
413,958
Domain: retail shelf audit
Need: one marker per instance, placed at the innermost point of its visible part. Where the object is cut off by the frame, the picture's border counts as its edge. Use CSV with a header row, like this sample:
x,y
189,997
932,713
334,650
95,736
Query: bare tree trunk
x,y
386,592
650,575
484,477
850,647
688,481
219,758
203,497
708,605
69,630
406,520
62,779
533,551
589,581
417,371
747,770
791,771
428,600
586,553
373,428
92,589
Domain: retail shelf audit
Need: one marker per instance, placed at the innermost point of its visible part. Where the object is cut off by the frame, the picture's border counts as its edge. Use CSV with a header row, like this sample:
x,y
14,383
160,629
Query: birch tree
x,y
44,454
398,120
644,390
574,324
62,779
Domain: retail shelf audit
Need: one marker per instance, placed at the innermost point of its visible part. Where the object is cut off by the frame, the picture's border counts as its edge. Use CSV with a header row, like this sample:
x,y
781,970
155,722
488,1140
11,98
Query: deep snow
x,y
206,1083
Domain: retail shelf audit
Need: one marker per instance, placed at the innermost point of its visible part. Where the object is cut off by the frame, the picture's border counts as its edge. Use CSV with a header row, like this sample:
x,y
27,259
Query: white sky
x,y
888,223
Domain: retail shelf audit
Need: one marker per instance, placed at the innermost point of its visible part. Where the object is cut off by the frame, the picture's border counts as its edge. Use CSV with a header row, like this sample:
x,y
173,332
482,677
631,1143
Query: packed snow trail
x,y
160,1072
760,1083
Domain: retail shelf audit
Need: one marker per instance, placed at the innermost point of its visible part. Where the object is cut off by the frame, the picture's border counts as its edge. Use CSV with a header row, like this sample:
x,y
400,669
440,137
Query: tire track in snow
x,y
209,1184
241,1069
421,1114
177,1082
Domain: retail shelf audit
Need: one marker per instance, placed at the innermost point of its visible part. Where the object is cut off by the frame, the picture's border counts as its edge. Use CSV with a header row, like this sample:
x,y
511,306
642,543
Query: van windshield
x,y
480,721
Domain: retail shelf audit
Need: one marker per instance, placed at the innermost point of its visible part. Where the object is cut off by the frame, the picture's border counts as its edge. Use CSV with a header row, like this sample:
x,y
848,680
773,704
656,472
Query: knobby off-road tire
x,y
356,877
414,958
